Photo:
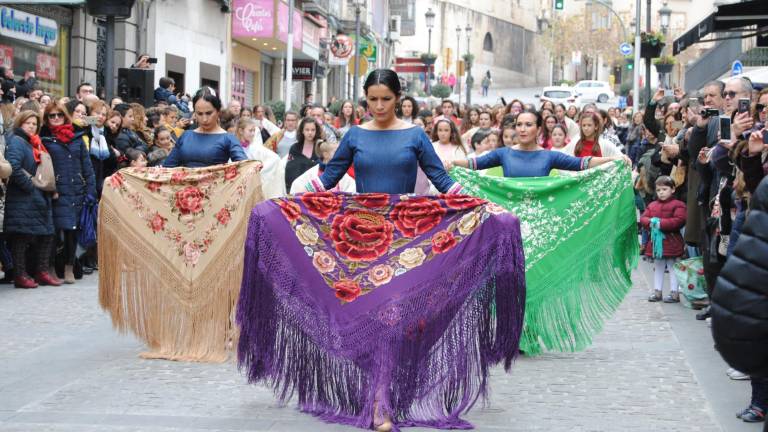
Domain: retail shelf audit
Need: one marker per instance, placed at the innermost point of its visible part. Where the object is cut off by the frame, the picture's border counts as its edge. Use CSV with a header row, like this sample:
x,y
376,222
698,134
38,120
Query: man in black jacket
x,y
703,186
740,305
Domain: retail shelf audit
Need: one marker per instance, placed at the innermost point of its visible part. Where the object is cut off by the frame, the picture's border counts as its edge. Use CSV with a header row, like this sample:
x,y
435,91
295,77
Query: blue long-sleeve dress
x,y
522,163
385,161
196,150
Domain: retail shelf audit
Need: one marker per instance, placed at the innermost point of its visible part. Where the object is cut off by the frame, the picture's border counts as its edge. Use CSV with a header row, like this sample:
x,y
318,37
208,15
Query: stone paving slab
x,y
65,369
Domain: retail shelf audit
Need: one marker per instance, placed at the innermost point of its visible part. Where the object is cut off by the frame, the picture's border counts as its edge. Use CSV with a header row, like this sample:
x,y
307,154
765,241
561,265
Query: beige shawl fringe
x,y
180,315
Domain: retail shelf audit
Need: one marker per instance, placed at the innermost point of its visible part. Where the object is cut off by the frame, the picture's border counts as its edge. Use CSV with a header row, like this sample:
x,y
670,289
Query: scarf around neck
x,y
63,133
34,140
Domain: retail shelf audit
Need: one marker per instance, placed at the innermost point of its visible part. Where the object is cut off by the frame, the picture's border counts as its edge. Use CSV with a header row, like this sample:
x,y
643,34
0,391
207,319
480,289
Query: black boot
x,y
8,279
701,316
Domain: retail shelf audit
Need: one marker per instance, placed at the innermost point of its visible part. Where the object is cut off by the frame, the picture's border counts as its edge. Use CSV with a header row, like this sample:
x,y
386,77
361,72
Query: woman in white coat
x,y
272,171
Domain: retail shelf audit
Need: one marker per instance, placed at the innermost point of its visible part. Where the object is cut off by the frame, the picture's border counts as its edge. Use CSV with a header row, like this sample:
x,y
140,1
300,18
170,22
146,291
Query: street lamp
x,y
664,14
647,60
458,56
356,78
430,17
468,29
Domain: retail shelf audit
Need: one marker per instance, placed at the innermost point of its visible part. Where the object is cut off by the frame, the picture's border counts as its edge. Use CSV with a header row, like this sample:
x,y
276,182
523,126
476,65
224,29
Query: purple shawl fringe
x,y
431,372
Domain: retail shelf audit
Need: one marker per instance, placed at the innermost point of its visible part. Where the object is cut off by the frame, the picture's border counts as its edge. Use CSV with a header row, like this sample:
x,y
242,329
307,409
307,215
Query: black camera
x,y
709,112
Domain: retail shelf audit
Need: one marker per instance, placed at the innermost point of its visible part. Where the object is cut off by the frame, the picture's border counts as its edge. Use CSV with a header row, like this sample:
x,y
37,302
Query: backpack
x,y
651,171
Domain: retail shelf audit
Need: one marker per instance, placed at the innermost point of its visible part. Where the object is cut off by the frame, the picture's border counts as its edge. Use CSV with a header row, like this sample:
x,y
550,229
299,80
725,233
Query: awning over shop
x,y
730,17
757,75
409,65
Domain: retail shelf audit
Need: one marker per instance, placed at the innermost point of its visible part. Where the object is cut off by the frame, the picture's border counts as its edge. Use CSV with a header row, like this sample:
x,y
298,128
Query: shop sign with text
x,y
253,18
27,27
303,70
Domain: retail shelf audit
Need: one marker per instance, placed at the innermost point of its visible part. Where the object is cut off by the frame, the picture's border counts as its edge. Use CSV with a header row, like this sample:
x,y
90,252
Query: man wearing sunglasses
x,y
736,88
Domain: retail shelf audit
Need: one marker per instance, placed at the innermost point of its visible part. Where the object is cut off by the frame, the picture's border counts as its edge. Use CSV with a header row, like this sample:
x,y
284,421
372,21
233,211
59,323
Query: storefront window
x,y
33,43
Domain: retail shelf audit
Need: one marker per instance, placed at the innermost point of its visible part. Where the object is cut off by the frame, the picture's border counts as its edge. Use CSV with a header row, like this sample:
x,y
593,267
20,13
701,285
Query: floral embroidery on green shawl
x,y
580,240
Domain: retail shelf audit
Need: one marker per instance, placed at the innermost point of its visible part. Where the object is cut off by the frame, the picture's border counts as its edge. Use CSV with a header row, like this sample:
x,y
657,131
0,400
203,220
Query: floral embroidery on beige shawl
x,y
171,255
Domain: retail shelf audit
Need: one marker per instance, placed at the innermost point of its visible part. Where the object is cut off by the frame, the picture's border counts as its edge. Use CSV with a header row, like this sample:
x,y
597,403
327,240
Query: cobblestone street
x,y
66,369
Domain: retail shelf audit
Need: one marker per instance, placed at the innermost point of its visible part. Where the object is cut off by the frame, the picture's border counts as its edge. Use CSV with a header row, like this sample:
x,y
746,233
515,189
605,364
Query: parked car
x,y
558,95
590,90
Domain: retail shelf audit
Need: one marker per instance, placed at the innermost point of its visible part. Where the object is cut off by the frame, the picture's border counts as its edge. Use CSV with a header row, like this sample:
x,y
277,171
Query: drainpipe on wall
x,y
143,10
227,50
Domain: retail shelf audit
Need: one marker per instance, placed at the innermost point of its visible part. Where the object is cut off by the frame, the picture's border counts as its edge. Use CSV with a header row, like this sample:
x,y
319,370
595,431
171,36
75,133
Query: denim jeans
x,y
760,393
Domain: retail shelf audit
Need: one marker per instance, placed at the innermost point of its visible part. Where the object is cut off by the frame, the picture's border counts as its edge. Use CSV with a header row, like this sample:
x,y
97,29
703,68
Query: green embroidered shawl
x,y
580,241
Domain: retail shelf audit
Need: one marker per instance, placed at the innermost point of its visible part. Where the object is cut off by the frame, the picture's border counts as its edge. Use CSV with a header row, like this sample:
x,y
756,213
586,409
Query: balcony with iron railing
x,y
322,7
757,56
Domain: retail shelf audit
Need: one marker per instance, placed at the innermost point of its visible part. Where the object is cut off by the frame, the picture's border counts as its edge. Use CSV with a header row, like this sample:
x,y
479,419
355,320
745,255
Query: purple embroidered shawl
x,y
349,299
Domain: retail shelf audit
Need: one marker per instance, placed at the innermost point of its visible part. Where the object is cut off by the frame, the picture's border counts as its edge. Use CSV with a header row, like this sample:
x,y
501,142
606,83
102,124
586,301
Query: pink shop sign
x,y
253,18
282,25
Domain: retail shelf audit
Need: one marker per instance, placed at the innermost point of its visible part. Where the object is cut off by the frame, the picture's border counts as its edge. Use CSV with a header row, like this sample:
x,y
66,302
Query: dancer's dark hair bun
x,y
536,114
209,95
386,77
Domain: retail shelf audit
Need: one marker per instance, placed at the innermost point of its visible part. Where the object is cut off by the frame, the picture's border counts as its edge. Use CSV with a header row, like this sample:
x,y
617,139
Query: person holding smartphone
x,y
716,171
751,155
144,61
654,125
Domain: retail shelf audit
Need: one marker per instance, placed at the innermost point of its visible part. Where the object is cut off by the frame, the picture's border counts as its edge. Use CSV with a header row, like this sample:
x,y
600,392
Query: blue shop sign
x,y
27,27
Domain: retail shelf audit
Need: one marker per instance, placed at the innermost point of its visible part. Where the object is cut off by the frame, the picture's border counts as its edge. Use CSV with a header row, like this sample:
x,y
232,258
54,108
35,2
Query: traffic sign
x,y
737,68
625,49
368,48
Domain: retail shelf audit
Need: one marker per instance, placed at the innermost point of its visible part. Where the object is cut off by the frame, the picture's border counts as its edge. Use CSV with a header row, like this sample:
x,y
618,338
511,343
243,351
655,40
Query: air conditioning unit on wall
x,y
395,25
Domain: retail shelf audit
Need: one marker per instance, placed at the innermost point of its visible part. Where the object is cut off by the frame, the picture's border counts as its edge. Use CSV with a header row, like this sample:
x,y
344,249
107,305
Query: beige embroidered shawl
x,y
171,255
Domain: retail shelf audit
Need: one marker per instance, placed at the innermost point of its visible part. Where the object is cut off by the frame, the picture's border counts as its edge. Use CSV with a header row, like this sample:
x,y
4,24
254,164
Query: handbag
x,y
678,174
44,179
88,220
690,276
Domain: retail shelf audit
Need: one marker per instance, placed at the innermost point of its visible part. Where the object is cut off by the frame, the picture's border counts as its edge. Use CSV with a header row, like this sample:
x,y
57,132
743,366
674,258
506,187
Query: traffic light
x,y
559,4
630,65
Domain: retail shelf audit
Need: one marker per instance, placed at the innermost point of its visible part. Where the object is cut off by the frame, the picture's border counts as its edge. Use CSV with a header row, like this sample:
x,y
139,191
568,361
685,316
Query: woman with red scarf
x,y
28,215
74,178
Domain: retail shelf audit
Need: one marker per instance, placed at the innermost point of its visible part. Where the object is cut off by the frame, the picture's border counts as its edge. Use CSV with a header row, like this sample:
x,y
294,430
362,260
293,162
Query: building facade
x,y
259,36
620,15
259,30
503,40
190,40
37,39
66,46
